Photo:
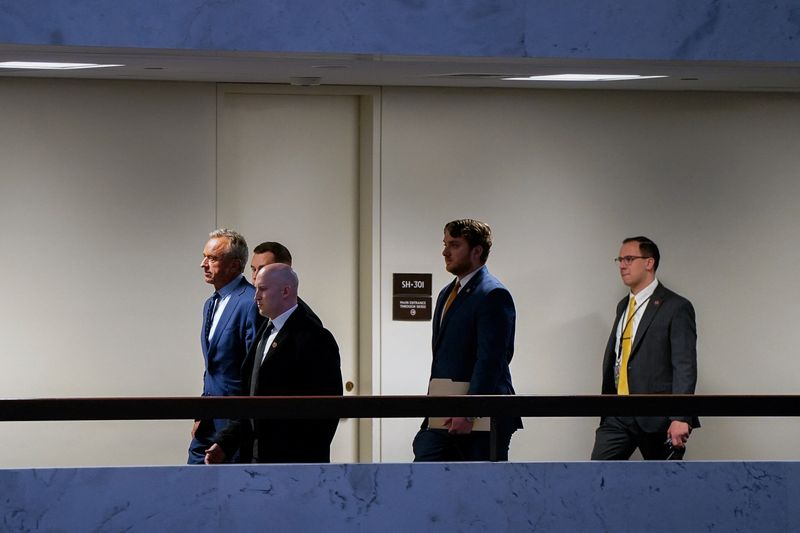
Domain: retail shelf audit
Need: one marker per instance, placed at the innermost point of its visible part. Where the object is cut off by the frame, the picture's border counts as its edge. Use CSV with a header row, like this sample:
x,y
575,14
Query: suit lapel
x,y
620,311
255,350
437,315
653,306
203,339
249,368
277,344
611,348
461,298
230,307
283,336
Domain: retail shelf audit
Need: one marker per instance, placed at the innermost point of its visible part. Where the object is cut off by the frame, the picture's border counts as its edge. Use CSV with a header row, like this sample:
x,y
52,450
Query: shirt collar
x,y
281,319
229,288
463,281
645,293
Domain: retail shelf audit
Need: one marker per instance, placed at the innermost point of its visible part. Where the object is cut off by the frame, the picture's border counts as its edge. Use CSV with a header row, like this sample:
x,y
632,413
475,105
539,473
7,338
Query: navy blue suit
x,y
474,343
223,356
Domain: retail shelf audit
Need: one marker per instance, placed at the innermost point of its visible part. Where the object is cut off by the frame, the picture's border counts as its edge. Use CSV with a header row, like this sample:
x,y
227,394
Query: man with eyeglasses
x,y
652,349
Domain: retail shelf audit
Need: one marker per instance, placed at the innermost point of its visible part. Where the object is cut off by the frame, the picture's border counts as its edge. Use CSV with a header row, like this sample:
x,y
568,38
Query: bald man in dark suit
x,y
293,356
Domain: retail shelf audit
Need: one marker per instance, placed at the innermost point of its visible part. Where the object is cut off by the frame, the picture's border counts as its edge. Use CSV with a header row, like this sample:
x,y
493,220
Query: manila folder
x,y
448,387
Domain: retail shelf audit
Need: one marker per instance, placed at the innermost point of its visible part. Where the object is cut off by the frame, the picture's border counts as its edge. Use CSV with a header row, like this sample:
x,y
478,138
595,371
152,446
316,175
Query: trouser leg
x,y
614,439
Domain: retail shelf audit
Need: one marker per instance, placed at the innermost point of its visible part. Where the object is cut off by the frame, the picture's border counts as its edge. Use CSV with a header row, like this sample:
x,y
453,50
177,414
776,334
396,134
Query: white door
x,y
288,172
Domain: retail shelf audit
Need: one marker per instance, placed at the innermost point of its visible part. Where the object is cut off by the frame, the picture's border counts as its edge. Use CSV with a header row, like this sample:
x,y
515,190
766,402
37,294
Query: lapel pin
x,y
274,344
656,302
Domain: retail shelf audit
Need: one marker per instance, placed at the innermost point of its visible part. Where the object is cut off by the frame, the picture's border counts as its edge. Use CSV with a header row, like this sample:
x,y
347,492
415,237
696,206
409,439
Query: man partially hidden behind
x,y
293,356
230,322
652,349
473,343
270,252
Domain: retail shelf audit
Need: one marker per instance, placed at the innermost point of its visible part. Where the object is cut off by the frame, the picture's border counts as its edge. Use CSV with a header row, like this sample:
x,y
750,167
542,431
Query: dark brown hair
x,y
475,232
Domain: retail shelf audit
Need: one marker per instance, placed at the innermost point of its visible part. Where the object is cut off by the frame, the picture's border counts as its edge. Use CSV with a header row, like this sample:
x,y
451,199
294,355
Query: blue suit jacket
x,y
475,341
233,337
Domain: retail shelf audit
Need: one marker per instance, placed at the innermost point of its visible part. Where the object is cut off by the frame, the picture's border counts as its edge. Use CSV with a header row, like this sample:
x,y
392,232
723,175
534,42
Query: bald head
x,y
276,289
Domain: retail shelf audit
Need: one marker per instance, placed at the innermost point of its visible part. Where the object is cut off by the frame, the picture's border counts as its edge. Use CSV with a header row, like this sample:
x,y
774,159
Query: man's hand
x,y
215,455
194,427
678,433
458,425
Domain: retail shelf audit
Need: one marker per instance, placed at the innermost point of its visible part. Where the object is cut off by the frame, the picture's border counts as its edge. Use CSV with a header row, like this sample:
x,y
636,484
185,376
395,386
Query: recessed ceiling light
x,y
585,77
41,65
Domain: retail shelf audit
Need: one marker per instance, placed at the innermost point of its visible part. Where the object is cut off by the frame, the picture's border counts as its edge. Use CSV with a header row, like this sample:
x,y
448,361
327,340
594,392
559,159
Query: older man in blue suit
x,y
230,322
473,343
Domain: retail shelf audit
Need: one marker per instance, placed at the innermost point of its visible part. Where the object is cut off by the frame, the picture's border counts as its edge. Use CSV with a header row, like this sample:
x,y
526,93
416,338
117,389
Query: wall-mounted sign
x,y
412,296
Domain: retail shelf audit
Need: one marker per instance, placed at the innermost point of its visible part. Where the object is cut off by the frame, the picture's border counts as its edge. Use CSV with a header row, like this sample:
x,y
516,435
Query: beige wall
x,y
562,177
107,190
106,198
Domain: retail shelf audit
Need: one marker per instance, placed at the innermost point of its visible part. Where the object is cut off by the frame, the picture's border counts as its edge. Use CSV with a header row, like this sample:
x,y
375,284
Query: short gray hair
x,y
236,244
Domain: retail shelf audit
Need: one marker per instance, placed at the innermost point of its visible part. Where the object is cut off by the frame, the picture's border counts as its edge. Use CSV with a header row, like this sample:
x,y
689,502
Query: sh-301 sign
x,y
412,296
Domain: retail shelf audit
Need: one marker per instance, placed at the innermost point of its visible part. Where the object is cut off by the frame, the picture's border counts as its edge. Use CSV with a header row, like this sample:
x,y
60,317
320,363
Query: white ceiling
x,y
350,69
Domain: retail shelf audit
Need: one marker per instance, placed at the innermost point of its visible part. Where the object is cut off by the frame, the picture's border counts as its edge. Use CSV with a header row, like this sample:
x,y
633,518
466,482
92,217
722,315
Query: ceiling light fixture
x,y
585,77
42,65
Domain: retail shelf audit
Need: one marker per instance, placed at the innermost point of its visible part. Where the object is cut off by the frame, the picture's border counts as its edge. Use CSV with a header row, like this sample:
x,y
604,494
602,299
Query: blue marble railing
x,y
744,30
570,497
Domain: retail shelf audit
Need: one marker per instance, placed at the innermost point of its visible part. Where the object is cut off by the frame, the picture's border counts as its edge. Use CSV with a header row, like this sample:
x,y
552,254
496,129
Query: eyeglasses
x,y
628,259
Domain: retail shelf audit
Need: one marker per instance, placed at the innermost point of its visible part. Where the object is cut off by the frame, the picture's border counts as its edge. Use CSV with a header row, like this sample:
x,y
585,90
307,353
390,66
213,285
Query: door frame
x,y
368,433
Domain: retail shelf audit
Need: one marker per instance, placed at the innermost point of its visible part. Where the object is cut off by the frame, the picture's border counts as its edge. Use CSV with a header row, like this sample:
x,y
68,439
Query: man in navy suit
x,y
652,349
230,322
293,356
473,341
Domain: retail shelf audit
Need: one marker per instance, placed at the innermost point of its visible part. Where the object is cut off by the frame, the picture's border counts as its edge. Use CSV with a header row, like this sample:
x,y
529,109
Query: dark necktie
x,y
212,305
259,356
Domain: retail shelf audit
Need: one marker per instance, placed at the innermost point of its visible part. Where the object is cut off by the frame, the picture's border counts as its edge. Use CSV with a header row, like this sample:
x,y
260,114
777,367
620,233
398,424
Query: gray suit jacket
x,y
663,357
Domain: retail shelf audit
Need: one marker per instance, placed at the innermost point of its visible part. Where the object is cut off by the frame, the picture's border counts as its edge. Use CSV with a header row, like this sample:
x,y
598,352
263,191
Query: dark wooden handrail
x,y
150,408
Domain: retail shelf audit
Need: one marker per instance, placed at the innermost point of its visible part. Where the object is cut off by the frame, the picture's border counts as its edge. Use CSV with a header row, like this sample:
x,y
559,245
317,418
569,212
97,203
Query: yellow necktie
x,y
452,297
627,341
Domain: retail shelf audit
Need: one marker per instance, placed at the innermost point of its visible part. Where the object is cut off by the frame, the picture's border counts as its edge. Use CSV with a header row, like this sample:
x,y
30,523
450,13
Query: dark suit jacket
x,y
303,361
303,306
475,341
663,357
233,337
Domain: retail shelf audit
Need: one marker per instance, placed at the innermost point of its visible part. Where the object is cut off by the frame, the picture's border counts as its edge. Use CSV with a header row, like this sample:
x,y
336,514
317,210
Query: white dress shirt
x,y
277,324
642,299
224,296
